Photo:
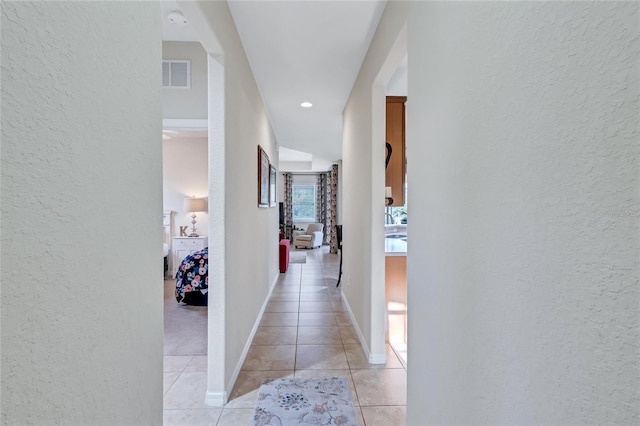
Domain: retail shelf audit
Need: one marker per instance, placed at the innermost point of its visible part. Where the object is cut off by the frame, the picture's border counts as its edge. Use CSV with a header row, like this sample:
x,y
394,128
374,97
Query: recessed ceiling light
x,y
306,105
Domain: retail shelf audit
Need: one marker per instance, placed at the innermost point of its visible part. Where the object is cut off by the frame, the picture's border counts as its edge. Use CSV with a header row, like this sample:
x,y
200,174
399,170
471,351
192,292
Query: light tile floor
x,y
305,332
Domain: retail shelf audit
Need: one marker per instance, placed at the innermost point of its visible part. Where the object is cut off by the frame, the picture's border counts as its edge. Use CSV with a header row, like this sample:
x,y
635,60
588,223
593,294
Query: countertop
x,y
395,247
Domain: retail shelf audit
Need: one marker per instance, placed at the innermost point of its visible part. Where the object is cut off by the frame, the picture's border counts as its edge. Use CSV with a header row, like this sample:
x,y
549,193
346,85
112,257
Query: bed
x,y
192,279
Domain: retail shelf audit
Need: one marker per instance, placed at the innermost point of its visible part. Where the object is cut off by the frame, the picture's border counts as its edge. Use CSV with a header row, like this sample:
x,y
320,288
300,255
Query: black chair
x,y
339,238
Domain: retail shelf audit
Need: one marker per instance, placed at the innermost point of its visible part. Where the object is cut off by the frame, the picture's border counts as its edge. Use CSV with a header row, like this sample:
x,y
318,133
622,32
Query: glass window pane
x,y
304,203
179,74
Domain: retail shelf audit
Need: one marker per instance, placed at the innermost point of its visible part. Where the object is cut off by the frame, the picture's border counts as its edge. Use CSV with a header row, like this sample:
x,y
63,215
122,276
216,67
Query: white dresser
x,y
184,246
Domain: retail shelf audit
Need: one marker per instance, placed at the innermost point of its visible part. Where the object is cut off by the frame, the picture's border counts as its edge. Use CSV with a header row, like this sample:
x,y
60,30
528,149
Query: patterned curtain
x,y
332,208
288,205
321,203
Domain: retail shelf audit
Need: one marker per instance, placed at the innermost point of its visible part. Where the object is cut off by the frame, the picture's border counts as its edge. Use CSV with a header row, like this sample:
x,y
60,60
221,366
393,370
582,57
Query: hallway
x,y
305,332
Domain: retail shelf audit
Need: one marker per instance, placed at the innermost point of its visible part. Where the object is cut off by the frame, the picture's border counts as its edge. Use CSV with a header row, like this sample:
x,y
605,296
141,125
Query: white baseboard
x,y
377,358
215,399
247,345
373,358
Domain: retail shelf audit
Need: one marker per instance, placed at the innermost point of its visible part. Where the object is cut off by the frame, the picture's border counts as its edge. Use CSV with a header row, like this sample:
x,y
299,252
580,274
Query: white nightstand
x,y
184,246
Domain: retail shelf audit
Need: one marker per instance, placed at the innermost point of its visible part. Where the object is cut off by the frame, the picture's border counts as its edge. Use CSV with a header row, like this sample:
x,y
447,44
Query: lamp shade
x,y
195,204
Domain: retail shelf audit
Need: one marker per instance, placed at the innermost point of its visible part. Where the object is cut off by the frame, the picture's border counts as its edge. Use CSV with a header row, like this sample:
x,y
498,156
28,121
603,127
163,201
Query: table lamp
x,y
194,205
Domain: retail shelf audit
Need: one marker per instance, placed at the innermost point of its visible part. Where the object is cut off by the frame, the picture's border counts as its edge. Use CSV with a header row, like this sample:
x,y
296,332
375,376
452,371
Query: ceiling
x,y
173,30
184,133
301,51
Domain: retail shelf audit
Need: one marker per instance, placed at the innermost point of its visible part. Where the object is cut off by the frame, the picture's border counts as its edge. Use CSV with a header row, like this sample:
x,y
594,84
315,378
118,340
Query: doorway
x,y
396,211
210,183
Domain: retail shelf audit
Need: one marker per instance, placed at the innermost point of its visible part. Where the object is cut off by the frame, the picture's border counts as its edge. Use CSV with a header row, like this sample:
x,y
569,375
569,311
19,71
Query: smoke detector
x,y
176,17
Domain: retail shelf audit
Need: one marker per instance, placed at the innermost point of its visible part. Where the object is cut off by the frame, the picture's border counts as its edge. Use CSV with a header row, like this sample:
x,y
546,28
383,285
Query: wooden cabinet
x,y
184,246
395,135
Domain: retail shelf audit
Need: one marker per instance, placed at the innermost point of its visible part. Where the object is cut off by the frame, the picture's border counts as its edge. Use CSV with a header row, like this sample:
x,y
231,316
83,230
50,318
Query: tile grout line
x,y
177,377
338,326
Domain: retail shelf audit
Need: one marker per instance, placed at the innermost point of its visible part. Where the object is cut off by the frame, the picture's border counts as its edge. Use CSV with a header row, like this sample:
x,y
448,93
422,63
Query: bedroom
x,y
185,174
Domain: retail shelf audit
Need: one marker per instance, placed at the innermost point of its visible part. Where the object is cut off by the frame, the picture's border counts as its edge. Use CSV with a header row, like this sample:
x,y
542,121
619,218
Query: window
x,y
176,74
304,203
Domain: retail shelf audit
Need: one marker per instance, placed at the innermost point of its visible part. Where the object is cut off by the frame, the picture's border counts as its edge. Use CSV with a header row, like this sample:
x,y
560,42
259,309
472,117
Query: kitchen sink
x,y
396,236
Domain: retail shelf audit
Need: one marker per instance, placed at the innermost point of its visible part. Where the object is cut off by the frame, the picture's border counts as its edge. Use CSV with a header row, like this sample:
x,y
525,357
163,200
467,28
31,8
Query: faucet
x,y
388,216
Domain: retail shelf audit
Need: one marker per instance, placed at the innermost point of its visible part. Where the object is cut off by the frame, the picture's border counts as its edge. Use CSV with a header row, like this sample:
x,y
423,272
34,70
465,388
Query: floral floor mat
x,y
320,401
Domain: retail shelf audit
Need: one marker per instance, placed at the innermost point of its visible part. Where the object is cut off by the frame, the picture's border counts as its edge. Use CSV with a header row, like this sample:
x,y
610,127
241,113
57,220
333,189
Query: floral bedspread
x,y
193,278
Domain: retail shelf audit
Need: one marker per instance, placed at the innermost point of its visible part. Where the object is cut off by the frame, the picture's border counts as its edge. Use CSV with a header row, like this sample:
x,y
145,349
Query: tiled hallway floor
x,y
305,332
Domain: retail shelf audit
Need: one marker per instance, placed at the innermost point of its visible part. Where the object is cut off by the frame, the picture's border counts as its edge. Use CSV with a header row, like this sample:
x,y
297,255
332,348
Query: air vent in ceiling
x,y
176,74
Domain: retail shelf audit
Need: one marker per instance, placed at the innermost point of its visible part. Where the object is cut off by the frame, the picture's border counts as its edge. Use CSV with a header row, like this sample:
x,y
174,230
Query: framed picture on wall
x,y
272,186
263,178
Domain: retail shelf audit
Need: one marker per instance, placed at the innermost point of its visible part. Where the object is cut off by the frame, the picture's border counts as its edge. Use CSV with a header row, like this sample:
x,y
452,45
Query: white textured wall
x,y
339,195
185,173
523,264
81,213
522,150
357,227
186,103
362,185
251,233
